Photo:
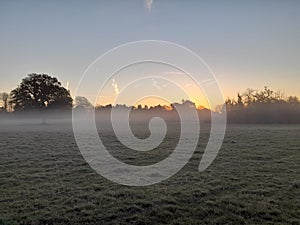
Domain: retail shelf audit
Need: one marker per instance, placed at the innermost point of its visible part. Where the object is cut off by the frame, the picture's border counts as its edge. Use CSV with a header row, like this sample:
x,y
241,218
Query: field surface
x,y
254,180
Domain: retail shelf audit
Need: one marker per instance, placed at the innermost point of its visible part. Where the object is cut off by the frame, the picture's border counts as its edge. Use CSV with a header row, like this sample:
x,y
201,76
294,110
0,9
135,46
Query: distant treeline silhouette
x,y
263,106
167,112
43,93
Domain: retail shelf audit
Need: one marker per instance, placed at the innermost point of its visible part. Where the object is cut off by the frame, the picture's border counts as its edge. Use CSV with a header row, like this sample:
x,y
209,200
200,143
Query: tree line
x,y
41,92
263,106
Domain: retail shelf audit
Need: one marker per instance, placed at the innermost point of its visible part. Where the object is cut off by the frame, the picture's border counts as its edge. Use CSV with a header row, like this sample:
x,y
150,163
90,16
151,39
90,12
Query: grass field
x,y
254,180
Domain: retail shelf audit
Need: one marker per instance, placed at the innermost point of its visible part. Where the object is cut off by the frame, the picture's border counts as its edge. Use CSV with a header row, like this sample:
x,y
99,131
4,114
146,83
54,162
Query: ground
x,y
254,180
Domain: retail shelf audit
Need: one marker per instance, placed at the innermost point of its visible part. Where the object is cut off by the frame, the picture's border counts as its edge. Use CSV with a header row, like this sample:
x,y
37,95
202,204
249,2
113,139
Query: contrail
x,y
115,86
149,4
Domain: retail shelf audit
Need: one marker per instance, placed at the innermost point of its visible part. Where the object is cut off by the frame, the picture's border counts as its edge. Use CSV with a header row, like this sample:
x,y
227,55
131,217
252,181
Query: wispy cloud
x,y
155,84
208,82
115,86
68,85
149,4
175,73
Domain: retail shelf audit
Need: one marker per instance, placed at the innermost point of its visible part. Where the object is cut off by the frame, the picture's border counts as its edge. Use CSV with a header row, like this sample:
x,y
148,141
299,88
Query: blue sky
x,y
247,44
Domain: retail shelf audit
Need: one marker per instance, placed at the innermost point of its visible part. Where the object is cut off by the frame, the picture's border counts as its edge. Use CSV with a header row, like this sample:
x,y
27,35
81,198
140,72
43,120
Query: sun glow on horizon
x,y
152,101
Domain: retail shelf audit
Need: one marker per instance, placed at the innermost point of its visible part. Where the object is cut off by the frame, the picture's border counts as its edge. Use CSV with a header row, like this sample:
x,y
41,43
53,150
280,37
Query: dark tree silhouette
x,y
265,106
40,91
4,97
83,103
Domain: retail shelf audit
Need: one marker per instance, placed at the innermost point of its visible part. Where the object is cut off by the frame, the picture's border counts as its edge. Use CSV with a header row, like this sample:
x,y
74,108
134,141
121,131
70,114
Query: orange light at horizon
x,y
163,93
153,101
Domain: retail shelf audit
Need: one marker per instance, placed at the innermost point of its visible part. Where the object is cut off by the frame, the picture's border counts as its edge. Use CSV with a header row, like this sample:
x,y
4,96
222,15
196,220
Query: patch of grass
x,y
254,180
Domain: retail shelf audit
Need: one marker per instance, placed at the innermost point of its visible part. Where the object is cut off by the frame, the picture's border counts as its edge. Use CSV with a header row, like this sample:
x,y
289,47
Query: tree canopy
x,y
264,106
4,97
40,91
82,103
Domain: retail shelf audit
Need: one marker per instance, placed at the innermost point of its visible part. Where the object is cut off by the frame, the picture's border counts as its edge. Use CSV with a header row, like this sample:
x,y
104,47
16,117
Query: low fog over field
x,y
45,177
45,180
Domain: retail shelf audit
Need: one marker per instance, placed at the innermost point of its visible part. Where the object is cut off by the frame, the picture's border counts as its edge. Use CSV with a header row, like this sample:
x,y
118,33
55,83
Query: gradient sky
x,y
246,43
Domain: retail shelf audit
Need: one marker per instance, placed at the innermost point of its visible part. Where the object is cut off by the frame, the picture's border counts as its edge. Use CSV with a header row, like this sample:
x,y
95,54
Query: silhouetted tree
x,y
83,102
187,104
240,100
4,97
249,96
293,100
40,91
265,106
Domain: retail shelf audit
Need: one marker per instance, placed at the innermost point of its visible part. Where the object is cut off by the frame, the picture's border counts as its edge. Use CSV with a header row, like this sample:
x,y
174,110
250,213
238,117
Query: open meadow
x,y
142,75
255,179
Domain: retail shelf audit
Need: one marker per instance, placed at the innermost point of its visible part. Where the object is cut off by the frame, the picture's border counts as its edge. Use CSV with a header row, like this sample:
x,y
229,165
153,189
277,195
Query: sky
x,y
247,44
